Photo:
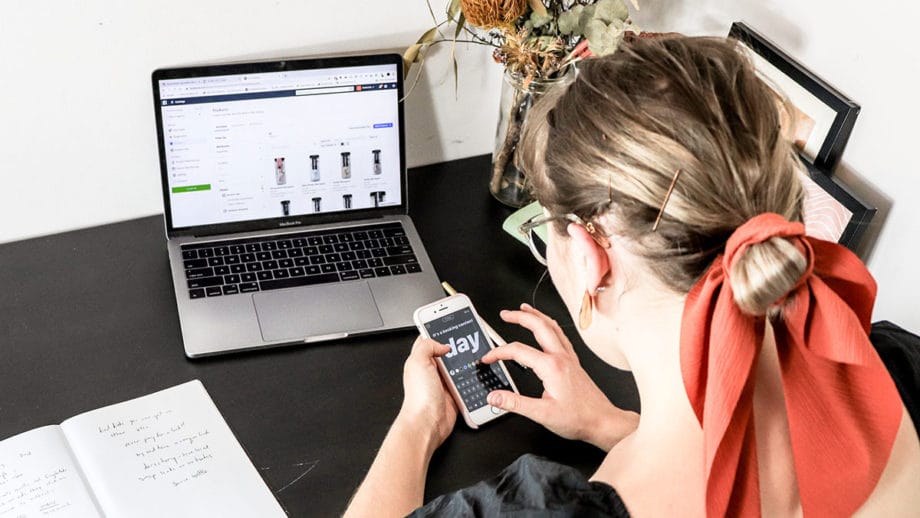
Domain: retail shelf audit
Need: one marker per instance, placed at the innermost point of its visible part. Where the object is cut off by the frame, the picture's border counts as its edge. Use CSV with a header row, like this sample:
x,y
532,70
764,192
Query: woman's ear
x,y
594,256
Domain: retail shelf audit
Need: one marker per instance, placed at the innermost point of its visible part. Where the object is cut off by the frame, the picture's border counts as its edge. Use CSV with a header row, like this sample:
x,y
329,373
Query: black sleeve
x,y
531,486
900,352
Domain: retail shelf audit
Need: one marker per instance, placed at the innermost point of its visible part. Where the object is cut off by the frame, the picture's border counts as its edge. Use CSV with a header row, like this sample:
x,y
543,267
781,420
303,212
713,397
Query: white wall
x,y
77,134
77,137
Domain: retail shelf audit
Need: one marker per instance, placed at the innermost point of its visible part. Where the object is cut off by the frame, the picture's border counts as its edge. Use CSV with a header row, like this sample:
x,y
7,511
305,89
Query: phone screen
x,y
468,344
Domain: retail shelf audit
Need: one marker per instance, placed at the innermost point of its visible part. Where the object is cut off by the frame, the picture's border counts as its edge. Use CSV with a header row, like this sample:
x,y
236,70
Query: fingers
x,y
563,339
530,309
531,408
523,354
427,348
546,331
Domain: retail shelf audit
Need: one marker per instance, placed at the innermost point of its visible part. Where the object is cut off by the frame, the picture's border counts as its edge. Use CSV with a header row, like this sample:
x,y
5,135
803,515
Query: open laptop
x,y
284,186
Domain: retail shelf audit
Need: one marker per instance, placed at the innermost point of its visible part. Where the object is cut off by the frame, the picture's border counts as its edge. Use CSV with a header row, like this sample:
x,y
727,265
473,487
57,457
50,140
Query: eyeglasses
x,y
537,242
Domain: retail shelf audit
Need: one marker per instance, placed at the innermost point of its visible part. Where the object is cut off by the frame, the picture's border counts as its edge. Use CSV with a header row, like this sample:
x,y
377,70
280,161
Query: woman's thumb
x,y
515,403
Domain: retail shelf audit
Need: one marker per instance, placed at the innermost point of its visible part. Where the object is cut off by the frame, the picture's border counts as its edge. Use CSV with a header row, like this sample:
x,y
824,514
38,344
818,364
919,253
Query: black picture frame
x,y
832,211
836,214
836,121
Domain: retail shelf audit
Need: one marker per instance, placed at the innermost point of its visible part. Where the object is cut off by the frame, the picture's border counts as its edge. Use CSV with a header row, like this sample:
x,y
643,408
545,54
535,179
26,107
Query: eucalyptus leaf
x,y
599,47
573,20
456,80
594,31
428,37
460,23
568,22
609,10
539,20
587,14
605,41
452,9
411,55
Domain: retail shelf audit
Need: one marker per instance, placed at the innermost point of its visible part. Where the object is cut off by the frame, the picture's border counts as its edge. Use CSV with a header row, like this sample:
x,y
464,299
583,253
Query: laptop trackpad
x,y
316,310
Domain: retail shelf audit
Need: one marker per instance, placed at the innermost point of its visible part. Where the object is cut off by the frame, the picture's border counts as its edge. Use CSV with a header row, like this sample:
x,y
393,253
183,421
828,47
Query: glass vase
x,y
508,183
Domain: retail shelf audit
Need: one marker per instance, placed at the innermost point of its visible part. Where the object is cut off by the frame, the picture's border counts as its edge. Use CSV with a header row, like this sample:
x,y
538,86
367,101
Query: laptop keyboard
x,y
248,265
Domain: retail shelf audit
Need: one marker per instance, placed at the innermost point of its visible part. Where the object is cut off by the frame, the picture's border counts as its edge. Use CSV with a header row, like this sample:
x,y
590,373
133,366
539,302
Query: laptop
x,y
284,185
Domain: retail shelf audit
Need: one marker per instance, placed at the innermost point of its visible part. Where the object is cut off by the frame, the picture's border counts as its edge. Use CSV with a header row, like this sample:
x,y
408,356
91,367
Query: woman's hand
x,y
572,405
395,484
428,407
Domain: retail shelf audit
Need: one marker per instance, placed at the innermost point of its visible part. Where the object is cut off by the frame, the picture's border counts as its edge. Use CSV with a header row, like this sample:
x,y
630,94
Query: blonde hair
x,y
612,141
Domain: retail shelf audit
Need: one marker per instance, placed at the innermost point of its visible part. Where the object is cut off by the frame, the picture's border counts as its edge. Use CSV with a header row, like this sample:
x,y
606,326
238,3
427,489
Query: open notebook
x,y
166,454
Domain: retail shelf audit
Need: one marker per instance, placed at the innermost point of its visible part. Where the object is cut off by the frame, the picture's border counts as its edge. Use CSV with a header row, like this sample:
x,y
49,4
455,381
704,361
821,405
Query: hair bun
x,y
765,273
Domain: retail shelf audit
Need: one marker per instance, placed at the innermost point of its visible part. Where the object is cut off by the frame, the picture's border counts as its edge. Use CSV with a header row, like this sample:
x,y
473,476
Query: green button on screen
x,y
192,188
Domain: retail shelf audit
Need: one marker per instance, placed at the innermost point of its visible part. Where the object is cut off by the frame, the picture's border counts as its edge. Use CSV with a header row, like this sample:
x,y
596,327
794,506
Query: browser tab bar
x,y
268,82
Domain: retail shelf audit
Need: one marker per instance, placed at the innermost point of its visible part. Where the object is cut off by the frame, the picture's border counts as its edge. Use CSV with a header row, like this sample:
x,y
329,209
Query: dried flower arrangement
x,y
535,40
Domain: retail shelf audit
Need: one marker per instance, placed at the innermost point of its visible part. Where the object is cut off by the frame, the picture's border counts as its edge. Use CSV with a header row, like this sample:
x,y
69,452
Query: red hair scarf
x,y
843,407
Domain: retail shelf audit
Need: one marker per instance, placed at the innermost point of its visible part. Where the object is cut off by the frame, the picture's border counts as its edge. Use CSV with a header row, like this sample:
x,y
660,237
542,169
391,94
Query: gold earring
x,y
585,313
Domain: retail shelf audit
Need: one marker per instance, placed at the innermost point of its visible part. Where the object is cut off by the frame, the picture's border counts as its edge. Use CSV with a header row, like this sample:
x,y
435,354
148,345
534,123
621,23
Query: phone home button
x,y
495,410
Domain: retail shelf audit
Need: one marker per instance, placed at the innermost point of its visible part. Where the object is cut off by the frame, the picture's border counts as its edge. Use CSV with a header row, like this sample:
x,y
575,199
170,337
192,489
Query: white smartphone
x,y
454,322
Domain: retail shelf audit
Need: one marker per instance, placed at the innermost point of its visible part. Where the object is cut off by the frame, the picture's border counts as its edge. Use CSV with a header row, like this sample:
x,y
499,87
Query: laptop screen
x,y
279,145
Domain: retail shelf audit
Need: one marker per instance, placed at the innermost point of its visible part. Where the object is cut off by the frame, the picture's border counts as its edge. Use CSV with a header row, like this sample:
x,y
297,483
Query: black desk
x,y
88,318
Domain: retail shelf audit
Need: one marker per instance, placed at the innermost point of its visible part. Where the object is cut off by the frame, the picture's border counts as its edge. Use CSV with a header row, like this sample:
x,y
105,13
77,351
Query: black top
x,y
533,486
900,351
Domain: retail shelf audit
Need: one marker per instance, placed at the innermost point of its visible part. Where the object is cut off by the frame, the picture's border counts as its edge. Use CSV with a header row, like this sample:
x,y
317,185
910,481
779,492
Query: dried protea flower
x,y
492,14
532,57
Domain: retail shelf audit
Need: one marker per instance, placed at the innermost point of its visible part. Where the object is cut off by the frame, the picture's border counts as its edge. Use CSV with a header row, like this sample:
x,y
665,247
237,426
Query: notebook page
x,y
168,454
39,477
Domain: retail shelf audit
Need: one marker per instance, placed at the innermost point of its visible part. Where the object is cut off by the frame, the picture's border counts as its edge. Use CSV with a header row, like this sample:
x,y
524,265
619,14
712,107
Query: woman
x,y
675,240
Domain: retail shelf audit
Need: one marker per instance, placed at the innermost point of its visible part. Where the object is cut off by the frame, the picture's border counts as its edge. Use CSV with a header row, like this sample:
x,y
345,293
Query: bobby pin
x,y
667,197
